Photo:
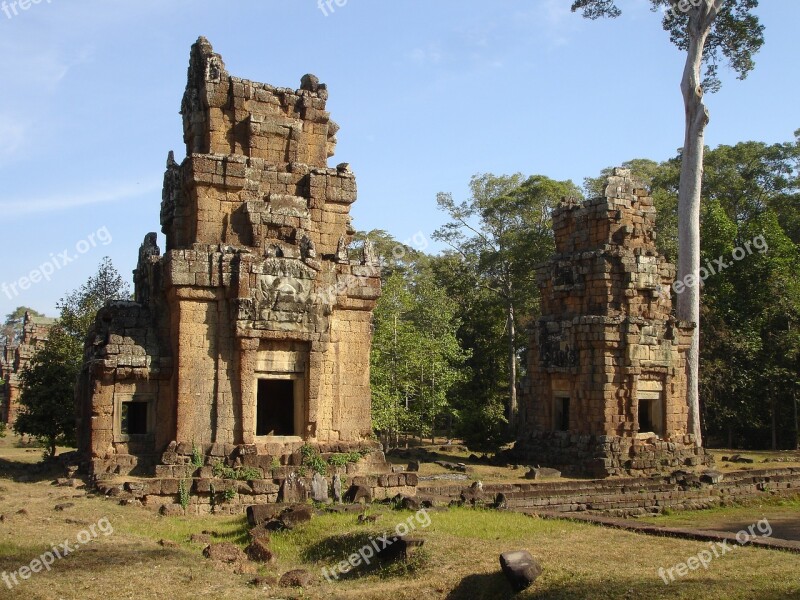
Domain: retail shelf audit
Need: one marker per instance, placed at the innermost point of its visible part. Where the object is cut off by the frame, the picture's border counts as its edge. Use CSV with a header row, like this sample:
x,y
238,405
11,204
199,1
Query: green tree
x,y
416,358
710,32
47,408
500,233
11,331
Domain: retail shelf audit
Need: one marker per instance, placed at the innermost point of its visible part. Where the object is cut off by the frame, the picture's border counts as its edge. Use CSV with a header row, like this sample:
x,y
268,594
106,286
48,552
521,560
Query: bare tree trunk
x,y
688,308
513,409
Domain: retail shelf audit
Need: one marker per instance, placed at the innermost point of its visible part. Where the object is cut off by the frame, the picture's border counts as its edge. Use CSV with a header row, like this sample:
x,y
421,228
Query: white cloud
x,y
61,202
12,135
430,55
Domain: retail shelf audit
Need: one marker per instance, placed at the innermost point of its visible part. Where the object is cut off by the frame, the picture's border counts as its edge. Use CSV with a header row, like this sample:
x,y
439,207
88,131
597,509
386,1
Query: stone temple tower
x,y
250,335
605,392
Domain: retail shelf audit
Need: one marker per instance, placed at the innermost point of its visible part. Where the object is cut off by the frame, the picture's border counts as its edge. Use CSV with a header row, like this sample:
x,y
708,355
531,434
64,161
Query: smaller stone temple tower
x,y
15,358
605,392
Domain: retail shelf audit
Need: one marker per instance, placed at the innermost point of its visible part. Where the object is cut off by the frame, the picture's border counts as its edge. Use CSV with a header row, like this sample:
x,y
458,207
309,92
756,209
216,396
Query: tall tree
x,y
11,331
47,409
710,32
501,233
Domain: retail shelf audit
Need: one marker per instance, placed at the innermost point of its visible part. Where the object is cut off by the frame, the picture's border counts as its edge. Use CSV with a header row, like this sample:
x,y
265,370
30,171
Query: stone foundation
x,y
272,477
606,456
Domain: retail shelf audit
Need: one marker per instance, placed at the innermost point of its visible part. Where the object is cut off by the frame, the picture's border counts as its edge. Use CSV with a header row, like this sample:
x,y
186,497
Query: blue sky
x,y
427,94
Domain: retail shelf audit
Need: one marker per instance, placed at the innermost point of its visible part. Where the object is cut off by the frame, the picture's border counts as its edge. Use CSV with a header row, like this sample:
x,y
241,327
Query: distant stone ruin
x,y
14,360
605,392
250,335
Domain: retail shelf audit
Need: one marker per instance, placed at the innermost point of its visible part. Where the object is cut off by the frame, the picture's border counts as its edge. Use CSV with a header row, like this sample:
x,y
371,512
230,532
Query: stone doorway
x,y
277,407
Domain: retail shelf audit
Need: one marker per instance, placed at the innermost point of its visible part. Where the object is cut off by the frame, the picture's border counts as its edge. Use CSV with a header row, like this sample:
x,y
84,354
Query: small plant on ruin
x,y
220,471
183,494
343,459
2,430
313,460
198,459
276,463
229,494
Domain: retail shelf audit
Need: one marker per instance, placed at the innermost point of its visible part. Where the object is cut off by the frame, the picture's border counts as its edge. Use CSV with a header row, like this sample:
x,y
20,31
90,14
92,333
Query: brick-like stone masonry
x,y
607,345
628,496
256,284
15,359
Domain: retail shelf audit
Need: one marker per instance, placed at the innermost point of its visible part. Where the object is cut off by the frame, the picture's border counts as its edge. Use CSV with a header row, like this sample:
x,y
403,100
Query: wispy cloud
x,y
432,54
61,202
12,135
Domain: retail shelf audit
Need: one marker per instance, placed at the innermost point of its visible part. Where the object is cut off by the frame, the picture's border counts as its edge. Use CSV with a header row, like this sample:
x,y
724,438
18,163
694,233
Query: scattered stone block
x,y
224,552
296,578
520,568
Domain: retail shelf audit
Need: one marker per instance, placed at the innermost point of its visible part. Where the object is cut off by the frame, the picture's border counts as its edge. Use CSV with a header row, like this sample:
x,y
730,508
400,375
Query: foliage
x,y
735,37
416,358
198,458
345,458
184,493
47,409
11,331
497,237
229,494
220,471
313,460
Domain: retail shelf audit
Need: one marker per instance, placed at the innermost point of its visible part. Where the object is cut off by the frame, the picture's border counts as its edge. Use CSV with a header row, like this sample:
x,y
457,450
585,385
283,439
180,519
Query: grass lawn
x,y
460,557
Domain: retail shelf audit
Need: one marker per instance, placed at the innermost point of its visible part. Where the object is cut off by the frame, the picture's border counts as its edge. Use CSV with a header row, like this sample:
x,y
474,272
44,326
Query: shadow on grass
x,y
25,472
496,587
491,586
336,549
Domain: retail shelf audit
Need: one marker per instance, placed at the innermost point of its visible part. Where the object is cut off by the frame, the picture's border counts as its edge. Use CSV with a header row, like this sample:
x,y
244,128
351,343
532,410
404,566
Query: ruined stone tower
x,y
251,334
606,387
15,358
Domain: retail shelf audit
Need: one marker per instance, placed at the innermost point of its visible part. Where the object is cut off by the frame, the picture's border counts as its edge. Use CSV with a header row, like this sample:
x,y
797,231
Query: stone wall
x,y
628,496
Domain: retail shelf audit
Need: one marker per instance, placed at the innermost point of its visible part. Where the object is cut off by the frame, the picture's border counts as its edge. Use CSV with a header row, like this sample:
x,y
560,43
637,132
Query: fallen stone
x,y
258,514
259,532
520,568
262,582
712,477
259,550
337,488
399,547
172,510
224,552
168,544
542,473
296,578
319,489
296,515
63,507
358,493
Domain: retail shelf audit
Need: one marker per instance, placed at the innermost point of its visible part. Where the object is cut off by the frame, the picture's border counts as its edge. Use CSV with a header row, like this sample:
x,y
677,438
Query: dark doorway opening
x,y
275,407
645,419
561,416
134,418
